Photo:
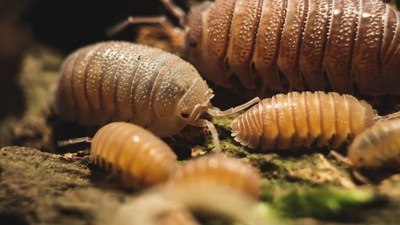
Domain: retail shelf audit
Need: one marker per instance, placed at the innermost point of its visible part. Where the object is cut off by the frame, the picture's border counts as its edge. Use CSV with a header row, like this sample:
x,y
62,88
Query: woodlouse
x,y
122,81
302,119
221,170
133,152
376,146
203,198
279,45
320,45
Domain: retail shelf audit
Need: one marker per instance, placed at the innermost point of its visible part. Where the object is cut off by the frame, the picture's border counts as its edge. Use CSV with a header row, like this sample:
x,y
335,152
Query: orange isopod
x,y
279,45
338,45
221,170
302,119
135,153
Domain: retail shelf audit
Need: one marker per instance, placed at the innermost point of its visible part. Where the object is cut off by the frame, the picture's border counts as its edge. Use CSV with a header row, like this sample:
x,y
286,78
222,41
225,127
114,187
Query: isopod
x,y
140,157
348,42
220,170
158,205
377,145
280,45
303,119
122,81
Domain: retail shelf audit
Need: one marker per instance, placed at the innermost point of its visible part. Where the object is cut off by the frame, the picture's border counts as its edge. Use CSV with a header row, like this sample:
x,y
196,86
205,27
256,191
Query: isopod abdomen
x,y
220,170
303,119
336,45
135,153
121,81
377,145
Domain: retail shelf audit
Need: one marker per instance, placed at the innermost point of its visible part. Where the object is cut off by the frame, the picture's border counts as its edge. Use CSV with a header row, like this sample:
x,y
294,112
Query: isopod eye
x,y
185,115
192,43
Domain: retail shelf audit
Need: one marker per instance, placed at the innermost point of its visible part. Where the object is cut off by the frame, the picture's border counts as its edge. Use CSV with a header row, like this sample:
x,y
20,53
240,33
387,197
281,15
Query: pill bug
x,y
137,155
122,81
342,46
376,146
221,170
304,119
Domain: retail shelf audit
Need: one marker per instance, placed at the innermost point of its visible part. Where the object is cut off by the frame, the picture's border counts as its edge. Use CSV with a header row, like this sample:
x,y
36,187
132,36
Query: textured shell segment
x,y
122,81
337,45
133,152
221,170
302,119
377,145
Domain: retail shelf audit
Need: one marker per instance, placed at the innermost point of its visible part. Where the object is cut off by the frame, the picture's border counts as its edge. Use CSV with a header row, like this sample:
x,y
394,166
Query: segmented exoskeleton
x,y
122,81
281,45
140,157
302,119
220,170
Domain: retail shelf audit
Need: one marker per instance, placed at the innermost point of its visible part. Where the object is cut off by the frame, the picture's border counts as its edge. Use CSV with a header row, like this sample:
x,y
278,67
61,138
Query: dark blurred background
x,y
73,23
62,24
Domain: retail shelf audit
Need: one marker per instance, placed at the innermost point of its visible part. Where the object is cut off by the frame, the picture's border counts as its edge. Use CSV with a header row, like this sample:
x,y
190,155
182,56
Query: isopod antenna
x,y
73,141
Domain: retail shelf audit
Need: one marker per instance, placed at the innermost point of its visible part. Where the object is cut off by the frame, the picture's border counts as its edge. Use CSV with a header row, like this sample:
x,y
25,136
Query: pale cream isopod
x,y
376,146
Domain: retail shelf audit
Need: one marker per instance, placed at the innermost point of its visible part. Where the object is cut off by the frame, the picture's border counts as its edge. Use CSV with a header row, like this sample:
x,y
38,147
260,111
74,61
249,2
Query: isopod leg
x,y
214,133
175,10
161,20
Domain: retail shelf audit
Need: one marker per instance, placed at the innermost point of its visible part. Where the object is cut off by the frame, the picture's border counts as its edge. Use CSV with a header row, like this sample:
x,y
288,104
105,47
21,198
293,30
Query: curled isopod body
x,y
135,153
377,145
221,170
122,81
303,119
342,46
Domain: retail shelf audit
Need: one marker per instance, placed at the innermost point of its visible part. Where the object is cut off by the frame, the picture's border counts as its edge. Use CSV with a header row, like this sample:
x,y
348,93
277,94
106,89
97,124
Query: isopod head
x,y
194,102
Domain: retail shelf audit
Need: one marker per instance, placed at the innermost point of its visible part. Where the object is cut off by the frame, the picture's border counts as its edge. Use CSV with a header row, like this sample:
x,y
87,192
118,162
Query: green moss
x,y
326,202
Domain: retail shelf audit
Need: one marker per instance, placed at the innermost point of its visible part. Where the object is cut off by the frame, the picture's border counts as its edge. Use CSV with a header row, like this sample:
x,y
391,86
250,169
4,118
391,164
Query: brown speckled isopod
x,y
221,170
376,146
135,153
122,81
337,45
302,119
